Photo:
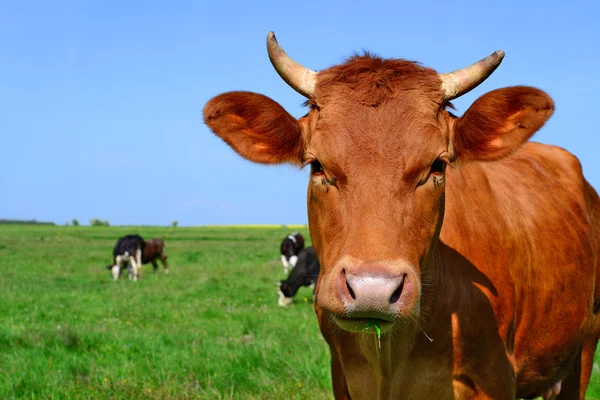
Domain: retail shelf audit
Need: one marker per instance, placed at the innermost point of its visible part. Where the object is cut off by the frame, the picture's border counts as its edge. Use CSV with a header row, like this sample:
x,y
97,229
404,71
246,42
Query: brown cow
x,y
474,250
155,250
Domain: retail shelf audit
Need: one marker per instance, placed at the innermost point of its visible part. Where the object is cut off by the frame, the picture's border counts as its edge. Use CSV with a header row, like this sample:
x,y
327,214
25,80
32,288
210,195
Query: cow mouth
x,y
362,324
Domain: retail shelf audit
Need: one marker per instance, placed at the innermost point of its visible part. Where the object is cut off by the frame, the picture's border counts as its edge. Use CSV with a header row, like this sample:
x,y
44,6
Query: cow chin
x,y
363,325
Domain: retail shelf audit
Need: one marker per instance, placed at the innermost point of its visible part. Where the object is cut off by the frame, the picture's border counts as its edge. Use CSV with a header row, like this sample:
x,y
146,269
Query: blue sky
x,y
102,100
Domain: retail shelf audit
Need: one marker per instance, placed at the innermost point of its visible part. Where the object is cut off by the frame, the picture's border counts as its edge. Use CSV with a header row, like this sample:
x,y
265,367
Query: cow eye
x,y
438,167
316,168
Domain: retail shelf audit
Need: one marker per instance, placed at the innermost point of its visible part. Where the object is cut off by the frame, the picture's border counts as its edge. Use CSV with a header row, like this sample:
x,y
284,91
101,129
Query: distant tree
x,y
97,222
75,222
22,222
174,224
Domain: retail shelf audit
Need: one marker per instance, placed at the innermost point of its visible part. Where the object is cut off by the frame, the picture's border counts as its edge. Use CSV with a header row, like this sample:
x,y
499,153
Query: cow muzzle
x,y
378,295
115,271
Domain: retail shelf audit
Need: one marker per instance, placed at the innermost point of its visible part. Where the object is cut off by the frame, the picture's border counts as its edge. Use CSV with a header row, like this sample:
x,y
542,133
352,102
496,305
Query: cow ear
x,y
256,127
499,122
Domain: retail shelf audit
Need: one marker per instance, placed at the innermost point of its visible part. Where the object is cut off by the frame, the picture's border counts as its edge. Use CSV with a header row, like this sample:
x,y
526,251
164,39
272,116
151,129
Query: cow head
x,y
115,270
284,293
378,139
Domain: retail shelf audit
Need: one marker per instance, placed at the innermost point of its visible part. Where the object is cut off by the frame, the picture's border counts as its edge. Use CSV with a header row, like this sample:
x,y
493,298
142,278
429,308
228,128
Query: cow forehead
x,y
370,108
372,81
383,138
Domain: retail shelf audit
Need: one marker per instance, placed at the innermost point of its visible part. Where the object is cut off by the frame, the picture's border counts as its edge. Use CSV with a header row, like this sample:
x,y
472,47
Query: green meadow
x,y
211,329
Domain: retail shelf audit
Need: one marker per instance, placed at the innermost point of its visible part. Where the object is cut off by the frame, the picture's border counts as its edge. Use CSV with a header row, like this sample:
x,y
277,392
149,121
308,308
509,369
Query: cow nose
x,y
373,296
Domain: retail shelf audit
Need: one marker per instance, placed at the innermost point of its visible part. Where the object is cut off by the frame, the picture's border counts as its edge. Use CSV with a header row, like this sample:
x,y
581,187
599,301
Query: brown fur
x,y
155,250
503,246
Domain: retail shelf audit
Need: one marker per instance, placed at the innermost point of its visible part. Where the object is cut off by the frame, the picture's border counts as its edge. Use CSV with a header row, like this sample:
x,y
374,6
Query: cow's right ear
x,y
256,127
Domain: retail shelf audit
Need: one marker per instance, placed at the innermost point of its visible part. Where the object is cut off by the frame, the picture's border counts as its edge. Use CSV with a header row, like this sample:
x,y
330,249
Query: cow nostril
x,y
398,292
350,291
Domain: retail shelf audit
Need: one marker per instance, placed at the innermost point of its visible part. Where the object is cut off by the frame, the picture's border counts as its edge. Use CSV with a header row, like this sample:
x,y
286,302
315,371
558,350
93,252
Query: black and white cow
x,y
290,247
304,273
127,253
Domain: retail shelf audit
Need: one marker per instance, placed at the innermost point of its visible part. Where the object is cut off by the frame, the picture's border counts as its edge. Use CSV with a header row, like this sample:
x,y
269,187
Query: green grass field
x,y
211,329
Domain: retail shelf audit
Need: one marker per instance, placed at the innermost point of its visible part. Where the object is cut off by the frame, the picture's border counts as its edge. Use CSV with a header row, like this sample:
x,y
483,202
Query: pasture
x,y
211,329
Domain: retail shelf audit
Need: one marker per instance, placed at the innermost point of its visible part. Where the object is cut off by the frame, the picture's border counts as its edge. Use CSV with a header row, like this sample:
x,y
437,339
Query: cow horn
x,y
300,78
457,83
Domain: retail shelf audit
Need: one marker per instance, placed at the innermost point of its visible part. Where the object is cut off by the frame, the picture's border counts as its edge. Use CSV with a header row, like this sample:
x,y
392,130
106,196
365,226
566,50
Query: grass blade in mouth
x,y
375,323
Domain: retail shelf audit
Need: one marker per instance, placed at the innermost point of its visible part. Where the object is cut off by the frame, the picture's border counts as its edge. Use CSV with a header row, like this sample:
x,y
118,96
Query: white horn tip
x,y
301,79
499,54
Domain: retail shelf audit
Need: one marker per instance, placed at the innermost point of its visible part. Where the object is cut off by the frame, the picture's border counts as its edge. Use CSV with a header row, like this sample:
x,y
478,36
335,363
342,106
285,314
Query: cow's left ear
x,y
499,122
256,127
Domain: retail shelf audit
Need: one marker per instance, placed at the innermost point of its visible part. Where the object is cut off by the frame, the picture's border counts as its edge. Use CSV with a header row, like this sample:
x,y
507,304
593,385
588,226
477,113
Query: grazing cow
x,y
128,253
290,247
473,250
155,250
125,254
304,273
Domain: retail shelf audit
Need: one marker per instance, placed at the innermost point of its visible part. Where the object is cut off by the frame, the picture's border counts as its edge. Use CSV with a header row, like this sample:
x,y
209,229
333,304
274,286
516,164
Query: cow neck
x,y
393,359
387,364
